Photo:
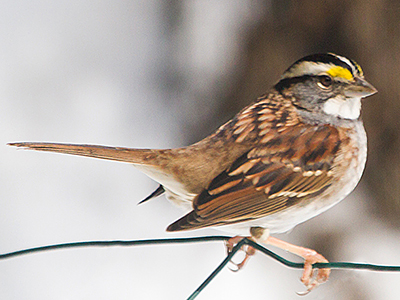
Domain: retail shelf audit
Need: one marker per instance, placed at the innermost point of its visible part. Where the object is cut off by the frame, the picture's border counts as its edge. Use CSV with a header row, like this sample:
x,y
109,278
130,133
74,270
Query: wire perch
x,y
245,241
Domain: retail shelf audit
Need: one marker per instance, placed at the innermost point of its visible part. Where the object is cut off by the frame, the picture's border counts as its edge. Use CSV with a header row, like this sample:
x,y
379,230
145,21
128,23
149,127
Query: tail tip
x,y
17,144
174,227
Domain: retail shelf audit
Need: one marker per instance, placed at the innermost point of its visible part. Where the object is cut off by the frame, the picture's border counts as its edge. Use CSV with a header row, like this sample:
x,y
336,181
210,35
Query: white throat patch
x,y
348,108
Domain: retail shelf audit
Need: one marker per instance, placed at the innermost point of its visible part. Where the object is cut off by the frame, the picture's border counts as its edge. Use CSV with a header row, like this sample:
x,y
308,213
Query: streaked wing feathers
x,y
268,178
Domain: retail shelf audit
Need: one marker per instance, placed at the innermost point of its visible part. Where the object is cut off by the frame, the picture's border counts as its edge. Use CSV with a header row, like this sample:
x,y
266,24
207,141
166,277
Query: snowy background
x,y
138,74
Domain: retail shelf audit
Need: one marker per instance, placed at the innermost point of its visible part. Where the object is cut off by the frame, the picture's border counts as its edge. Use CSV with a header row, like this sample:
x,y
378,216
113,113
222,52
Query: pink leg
x,y
310,256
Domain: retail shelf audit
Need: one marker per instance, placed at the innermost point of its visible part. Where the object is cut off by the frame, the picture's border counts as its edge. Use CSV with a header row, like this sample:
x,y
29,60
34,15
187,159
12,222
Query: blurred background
x,y
163,74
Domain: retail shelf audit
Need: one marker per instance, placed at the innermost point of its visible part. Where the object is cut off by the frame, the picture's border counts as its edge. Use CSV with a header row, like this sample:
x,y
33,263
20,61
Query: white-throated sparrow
x,y
282,160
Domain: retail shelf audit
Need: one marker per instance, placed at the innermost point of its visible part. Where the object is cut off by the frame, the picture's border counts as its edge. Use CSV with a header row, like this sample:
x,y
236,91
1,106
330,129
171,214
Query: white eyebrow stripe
x,y
348,62
307,68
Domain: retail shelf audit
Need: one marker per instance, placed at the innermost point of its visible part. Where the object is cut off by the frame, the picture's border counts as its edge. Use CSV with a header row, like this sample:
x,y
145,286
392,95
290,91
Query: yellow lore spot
x,y
341,72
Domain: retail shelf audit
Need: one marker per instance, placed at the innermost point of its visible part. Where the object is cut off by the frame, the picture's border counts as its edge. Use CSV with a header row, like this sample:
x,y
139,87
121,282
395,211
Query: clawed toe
x,y
249,251
310,257
312,278
322,277
234,267
238,266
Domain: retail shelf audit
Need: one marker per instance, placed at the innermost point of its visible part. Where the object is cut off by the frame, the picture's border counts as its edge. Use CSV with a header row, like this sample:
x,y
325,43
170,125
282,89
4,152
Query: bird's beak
x,y
360,89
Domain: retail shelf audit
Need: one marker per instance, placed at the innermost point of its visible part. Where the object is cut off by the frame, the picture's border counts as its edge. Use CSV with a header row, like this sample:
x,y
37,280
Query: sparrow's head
x,y
326,84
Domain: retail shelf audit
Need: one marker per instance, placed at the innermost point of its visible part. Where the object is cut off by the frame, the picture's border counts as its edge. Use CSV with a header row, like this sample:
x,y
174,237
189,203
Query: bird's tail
x,y
134,156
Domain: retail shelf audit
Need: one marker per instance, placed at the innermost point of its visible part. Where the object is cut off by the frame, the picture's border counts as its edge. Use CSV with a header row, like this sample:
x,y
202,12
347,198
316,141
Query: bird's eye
x,y
325,81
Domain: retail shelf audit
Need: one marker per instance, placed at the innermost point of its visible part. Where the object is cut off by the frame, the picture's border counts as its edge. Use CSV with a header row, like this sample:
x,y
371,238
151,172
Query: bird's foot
x,y
312,278
249,251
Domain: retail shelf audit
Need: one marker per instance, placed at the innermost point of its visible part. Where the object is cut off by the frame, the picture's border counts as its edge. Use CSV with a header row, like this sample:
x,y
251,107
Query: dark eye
x,y
325,81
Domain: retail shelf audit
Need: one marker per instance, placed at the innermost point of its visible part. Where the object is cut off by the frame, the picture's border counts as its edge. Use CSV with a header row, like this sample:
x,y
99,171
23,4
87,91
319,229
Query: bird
x,y
288,156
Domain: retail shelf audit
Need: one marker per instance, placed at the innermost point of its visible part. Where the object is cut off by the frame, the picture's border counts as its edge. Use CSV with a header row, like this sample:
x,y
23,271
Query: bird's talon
x,y
312,278
303,293
235,269
240,265
249,251
312,285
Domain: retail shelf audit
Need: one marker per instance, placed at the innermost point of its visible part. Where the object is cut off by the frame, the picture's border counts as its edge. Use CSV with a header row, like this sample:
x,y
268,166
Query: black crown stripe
x,y
325,58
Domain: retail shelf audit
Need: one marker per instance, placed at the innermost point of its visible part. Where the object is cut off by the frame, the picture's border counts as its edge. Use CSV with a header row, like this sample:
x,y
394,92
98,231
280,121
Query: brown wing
x,y
291,166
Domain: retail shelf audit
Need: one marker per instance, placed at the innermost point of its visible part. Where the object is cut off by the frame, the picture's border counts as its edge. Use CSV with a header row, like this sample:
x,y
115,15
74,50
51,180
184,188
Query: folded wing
x,y
274,176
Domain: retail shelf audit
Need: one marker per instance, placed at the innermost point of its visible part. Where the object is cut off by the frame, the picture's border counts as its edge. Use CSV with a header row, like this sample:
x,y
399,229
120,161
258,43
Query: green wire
x,y
111,244
332,265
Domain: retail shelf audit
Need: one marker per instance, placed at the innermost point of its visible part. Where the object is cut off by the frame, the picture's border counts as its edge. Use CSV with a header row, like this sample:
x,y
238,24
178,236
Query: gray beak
x,y
359,89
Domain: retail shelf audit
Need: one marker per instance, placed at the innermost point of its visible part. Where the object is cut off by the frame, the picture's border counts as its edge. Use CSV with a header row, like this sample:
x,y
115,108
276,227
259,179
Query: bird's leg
x,y
247,249
310,256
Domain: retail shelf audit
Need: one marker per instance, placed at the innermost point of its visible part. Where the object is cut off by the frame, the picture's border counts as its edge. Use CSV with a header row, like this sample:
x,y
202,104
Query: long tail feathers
x,y
135,156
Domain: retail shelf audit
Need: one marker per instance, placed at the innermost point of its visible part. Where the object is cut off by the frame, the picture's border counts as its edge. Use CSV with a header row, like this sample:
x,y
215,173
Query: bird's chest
x,y
348,167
